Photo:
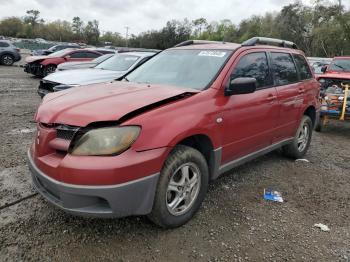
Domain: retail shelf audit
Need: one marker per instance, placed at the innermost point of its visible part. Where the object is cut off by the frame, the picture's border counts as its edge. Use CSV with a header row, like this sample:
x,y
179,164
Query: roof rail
x,y
197,42
269,41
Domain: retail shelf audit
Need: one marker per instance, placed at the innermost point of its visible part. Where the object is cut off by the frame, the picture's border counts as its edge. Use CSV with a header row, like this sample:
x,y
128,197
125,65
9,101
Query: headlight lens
x,y
106,141
62,87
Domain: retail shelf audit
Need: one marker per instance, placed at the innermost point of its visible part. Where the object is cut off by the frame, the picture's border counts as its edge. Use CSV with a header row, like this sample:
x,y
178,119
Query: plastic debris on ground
x,y
273,195
302,160
323,227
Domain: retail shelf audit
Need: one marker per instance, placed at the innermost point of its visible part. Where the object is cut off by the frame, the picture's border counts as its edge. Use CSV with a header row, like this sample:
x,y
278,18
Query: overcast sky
x,y
142,15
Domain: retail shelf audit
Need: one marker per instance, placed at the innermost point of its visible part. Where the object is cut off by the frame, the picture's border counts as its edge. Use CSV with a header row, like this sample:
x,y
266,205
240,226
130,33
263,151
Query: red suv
x,y
149,145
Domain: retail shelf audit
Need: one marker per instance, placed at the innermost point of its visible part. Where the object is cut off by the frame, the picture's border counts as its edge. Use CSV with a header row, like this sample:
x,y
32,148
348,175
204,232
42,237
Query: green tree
x,y
78,27
12,26
92,32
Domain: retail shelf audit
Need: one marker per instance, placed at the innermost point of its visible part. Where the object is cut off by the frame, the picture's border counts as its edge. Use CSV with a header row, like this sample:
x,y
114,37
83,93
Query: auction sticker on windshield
x,y
212,53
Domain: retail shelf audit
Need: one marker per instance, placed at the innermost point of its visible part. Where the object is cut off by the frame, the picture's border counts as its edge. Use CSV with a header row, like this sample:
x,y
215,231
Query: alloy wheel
x,y
303,137
7,60
183,189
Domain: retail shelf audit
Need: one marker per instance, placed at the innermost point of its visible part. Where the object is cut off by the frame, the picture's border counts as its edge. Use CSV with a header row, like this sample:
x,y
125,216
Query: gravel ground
x,y
234,223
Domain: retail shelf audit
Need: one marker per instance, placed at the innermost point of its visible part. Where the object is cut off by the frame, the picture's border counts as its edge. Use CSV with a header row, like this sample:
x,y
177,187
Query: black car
x,y
54,48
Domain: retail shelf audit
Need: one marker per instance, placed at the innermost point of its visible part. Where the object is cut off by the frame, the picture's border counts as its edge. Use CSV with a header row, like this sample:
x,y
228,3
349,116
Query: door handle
x,y
271,98
301,91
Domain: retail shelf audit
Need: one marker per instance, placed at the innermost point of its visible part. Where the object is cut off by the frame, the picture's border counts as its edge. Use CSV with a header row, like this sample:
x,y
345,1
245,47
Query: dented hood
x,y
31,59
83,105
335,75
84,76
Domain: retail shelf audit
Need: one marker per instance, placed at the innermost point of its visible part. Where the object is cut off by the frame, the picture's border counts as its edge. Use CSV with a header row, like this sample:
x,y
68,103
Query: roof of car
x,y
213,45
255,42
142,54
342,57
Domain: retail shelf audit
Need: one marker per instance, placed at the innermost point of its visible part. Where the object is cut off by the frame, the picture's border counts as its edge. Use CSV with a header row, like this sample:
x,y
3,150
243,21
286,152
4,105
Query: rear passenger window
x,y
284,70
78,55
91,55
303,67
253,65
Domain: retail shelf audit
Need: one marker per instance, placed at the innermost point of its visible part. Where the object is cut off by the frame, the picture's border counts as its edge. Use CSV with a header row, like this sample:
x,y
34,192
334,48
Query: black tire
x,y
7,60
179,157
49,69
294,149
319,124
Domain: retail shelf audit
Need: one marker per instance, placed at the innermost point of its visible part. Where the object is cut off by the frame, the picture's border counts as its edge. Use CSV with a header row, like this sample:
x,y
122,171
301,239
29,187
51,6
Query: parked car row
x,y
112,68
150,143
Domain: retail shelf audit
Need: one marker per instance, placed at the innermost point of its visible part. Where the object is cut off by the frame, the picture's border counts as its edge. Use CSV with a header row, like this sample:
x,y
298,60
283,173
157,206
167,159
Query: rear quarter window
x,y
283,68
3,44
303,67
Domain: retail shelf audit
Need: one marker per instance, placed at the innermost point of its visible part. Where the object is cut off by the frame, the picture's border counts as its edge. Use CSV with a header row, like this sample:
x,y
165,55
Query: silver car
x,y
8,53
83,64
114,68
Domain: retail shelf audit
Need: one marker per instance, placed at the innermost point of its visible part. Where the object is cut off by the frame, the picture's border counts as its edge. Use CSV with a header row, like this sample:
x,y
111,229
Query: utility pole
x,y
126,35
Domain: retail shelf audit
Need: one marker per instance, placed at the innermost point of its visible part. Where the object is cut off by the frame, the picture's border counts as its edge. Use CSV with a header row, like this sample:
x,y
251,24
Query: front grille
x,y
66,132
47,85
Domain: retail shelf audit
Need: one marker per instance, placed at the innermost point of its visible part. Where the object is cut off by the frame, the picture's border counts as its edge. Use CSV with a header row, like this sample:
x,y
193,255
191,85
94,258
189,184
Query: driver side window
x,y
254,65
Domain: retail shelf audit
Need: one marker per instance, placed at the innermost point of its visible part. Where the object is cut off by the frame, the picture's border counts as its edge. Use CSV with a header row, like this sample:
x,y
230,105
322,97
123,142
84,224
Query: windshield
x,y
318,67
340,65
183,68
59,53
102,58
118,62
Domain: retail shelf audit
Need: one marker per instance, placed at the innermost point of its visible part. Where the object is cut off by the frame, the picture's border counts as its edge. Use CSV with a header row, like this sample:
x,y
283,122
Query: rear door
x,y
249,120
289,92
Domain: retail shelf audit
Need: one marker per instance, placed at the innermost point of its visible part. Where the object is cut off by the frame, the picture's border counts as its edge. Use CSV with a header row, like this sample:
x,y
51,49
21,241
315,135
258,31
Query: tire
x,y
298,148
49,69
7,60
173,186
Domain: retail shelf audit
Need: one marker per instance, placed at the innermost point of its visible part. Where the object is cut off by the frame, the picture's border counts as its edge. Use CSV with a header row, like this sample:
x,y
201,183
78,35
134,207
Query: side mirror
x,y
324,69
240,86
67,57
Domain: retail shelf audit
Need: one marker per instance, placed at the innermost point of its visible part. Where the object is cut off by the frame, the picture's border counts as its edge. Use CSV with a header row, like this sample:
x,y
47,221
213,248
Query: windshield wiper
x,y
339,66
126,79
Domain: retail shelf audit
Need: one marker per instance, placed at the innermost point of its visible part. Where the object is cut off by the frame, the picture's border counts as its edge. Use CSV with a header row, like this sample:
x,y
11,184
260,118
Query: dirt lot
x,y
234,223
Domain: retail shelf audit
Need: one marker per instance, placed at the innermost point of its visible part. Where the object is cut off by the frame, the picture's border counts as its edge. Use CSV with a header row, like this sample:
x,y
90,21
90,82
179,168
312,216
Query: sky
x,y
142,15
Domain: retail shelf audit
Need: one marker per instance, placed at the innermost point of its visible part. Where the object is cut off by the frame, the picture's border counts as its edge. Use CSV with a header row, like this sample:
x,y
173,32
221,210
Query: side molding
x,y
220,169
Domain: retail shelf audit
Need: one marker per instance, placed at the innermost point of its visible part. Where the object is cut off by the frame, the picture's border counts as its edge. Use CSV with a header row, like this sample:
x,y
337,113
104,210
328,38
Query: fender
x,y
168,125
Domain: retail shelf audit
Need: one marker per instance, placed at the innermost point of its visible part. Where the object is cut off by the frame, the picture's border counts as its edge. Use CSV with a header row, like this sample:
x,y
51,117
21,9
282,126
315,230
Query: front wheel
x,y
181,189
301,142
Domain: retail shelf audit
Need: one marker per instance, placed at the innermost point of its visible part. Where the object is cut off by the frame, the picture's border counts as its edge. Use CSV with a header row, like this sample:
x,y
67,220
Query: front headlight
x,y
62,87
106,141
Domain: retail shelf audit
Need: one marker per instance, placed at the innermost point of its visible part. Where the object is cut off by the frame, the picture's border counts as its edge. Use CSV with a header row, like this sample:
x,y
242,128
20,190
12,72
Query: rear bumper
x,y
131,198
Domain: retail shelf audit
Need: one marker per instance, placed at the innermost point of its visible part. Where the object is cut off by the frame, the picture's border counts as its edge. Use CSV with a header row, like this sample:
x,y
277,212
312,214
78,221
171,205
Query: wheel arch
x,y
311,112
205,146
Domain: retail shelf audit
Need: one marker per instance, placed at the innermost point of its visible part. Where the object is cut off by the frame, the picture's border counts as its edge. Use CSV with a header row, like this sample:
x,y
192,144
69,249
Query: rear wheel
x,y
49,69
301,141
7,60
182,186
